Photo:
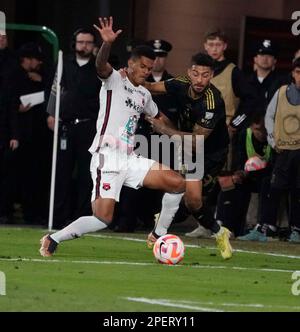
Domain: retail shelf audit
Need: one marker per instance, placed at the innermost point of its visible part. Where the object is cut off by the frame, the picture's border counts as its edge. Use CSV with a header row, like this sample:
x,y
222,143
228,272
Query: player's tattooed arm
x,y
108,36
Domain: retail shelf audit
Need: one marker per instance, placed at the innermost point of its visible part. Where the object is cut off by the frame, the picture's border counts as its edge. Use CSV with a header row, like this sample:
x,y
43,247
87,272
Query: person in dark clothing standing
x,y
265,75
25,166
79,108
282,122
9,138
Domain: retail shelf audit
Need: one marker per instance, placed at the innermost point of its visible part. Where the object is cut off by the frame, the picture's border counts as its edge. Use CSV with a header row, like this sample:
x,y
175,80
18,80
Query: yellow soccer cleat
x,y
222,238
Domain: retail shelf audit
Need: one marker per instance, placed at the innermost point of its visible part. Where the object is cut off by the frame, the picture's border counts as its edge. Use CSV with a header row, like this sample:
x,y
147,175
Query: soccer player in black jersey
x,y
201,112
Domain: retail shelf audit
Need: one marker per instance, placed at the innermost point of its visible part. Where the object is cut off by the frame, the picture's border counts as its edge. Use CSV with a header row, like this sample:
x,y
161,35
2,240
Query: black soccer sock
x,y
182,213
205,217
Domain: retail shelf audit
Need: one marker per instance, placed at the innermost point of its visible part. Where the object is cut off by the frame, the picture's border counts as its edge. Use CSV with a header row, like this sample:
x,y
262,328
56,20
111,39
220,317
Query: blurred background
x,y
183,23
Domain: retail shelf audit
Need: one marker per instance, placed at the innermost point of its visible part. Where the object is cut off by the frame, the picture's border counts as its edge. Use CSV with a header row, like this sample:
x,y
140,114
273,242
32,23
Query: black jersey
x,y
208,111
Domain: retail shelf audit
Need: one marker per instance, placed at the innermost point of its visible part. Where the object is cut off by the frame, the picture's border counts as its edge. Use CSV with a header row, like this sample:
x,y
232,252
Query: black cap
x,y
31,50
266,47
160,47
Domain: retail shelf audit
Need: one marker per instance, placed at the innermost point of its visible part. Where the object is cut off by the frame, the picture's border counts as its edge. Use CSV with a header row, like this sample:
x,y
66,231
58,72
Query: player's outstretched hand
x,y
106,29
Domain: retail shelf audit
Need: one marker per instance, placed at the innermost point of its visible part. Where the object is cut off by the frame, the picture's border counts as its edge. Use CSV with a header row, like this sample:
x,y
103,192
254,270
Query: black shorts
x,y
213,165
286,172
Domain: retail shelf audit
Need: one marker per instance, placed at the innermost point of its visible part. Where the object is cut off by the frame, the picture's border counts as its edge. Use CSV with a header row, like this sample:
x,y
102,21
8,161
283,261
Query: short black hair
x,y
296,63
143,50
257,118
217,33
201,59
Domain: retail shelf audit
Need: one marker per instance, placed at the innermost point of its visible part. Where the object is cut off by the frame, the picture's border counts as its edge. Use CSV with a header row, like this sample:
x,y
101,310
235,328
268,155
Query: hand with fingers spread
x,y
106,30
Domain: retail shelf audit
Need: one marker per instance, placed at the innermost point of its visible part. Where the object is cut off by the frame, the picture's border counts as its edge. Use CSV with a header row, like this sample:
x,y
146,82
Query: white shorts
x,y
110,170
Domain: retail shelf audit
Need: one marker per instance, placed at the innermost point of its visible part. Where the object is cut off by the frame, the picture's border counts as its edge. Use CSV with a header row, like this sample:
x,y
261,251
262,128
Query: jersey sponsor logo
x,y
106,186
130,90
133,90
132,104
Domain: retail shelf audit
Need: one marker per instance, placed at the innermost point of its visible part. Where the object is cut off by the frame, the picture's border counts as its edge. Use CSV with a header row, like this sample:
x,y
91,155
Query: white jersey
x,y
121,104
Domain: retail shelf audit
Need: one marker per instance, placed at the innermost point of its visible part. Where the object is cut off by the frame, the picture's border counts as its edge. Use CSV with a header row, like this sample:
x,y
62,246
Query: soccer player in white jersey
x,y
114,163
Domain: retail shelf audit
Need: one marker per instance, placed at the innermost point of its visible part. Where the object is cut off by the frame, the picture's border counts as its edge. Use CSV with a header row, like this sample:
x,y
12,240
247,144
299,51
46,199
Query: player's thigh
x,y
163,178
193,194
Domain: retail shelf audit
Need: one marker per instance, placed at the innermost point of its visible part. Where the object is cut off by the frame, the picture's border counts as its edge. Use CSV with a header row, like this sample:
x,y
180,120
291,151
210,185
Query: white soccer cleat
x,y
199,232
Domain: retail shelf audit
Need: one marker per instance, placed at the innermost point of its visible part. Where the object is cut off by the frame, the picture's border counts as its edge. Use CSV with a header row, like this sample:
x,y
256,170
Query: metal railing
x,y
47,33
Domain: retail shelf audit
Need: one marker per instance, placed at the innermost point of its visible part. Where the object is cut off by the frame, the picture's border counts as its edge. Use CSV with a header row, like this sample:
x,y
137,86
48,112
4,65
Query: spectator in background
x,y
79,108
8,123
265,74
234,198
282,122
25,169
238,95
8,59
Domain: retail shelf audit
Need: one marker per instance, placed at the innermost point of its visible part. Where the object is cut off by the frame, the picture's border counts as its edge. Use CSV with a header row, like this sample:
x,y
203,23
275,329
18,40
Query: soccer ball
x,y
168,249
255,164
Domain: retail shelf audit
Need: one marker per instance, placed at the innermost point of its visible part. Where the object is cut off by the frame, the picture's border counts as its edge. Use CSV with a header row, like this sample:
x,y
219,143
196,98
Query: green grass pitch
x,y
107,272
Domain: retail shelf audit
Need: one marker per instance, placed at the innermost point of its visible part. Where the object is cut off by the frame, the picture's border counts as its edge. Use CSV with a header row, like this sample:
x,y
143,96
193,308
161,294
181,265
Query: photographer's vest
x,y
251,150
287,123
223,82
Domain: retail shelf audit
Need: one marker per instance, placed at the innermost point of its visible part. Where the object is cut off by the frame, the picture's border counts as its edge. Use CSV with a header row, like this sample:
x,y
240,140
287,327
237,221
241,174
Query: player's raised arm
x,y
108,36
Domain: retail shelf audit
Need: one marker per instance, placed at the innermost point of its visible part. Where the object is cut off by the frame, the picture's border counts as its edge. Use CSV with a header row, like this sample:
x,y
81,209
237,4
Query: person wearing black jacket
x,y
265,75
25,168
8,123
79,107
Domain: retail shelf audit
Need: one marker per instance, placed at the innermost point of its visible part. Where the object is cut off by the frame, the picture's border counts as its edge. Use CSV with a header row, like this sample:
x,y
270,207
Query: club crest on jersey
x,y
209,115
106,186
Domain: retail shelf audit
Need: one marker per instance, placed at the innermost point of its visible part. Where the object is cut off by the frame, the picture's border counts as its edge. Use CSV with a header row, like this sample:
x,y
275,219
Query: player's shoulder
x,y
182,79
178,83
213,97
214,91
113,76
144,91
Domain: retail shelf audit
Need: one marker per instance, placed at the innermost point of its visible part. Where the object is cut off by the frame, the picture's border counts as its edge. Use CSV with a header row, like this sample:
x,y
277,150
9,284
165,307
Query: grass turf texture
x,y
107,273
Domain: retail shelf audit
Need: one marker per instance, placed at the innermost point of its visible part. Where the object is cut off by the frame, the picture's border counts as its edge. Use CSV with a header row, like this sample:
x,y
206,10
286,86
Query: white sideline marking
x,y
251,305
168,303
196,246
51,260
192,304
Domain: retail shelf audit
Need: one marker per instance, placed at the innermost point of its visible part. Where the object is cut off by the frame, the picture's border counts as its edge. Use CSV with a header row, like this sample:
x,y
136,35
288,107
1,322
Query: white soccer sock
x,y
77,228
170,205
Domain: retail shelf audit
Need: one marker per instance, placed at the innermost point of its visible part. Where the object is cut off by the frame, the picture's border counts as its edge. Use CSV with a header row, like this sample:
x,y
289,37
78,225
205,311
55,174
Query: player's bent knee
x,y
177,184
104,217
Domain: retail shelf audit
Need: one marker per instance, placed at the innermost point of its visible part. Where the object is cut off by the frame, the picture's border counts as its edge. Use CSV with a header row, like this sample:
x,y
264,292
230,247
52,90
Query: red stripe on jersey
x,y
107,111
106,118
98,179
